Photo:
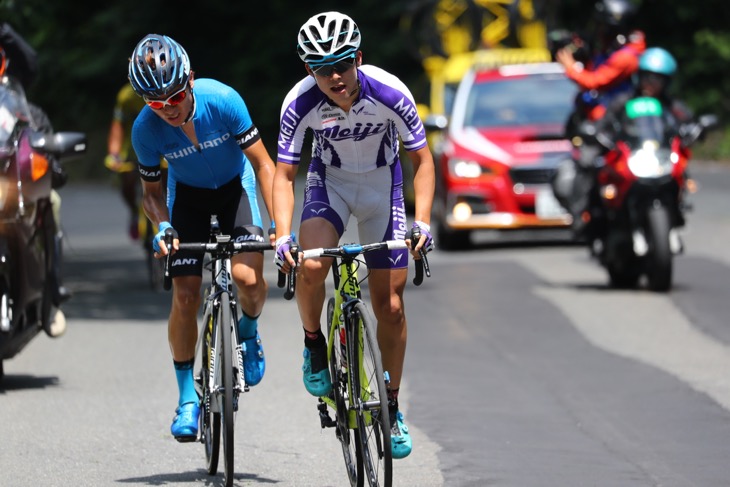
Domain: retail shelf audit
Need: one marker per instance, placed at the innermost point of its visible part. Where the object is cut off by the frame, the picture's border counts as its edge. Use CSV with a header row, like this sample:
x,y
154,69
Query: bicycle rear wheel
x,y
225,354
371,401
210,421
338,371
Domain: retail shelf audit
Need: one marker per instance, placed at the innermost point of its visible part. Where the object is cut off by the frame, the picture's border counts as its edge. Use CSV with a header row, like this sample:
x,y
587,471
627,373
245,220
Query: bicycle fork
x,y
241,385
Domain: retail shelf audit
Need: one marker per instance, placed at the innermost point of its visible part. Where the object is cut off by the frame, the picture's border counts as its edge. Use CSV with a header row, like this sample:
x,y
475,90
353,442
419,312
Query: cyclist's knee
x,y
312,272
389,311
253,287
186,296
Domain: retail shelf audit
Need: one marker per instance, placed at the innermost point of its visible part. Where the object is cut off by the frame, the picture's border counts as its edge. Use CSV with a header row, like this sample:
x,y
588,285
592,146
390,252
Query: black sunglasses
x,y
338,67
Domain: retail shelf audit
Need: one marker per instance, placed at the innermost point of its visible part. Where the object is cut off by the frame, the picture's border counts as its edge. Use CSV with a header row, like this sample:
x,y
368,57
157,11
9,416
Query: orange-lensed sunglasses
x,y
174,99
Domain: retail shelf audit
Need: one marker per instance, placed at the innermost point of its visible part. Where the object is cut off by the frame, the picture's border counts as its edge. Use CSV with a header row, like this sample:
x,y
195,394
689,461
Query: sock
x,y
314,340
393,399
247,326
317,346
185,381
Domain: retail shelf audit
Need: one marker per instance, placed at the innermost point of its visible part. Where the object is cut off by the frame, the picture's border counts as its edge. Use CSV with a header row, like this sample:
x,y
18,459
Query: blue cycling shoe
x,y
254,363
317,383
185,424
400,440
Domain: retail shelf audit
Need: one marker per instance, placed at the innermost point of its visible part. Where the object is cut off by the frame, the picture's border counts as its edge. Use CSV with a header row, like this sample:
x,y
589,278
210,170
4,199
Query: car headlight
x,y
650,161
462,168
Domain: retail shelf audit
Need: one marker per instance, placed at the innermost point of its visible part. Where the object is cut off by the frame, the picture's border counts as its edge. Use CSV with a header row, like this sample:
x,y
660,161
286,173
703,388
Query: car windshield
x,y
528,100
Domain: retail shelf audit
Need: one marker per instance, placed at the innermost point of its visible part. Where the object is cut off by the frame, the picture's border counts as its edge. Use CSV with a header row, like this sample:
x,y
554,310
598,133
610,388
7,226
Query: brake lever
x,y
421,263
291,278
167,280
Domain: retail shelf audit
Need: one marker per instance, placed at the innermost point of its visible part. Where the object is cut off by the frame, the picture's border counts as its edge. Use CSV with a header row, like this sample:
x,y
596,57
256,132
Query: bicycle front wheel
x,y
340,392
371,400
210,421
225,366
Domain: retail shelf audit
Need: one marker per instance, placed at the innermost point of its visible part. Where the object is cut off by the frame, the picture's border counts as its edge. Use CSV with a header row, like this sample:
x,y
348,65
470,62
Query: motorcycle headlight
x,y
650,161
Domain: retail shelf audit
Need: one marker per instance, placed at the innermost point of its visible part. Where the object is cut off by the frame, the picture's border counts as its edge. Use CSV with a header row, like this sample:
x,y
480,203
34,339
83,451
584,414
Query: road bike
x,y
359,384
220,359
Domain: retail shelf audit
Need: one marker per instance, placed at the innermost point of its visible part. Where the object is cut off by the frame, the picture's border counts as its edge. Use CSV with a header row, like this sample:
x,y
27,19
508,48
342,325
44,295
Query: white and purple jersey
x,y
357,141
355,169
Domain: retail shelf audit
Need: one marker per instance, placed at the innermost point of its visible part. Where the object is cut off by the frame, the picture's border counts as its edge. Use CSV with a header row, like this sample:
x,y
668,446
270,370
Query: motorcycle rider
x,y
605,75
653,79
22,65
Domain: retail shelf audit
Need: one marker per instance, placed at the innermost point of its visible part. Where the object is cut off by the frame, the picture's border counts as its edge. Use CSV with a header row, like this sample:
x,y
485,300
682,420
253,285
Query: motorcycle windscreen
x,y
647,134
645,121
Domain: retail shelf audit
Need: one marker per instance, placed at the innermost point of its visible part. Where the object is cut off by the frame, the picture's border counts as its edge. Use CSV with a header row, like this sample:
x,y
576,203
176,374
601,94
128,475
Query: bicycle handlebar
x,y
219,247
353,250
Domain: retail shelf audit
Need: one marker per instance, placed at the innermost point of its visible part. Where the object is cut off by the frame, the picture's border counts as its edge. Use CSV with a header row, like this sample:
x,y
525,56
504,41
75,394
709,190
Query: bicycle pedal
x,y
324,416
186,438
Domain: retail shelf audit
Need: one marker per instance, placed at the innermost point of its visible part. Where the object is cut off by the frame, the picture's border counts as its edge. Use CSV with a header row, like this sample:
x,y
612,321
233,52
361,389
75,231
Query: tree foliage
x,y
84,48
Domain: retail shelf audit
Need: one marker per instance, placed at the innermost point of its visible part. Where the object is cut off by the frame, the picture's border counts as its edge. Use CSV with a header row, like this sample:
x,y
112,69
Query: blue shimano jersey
x,y
223,127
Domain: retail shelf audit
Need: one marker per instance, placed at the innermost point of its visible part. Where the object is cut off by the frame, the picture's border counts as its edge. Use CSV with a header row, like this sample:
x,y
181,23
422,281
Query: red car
x,y
501,146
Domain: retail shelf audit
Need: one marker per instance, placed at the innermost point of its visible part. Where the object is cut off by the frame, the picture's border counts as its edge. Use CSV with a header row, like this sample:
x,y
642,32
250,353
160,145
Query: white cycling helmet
x,y
327,37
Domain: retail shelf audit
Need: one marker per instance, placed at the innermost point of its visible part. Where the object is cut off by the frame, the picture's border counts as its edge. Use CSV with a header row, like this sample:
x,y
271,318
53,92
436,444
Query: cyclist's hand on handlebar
x,y
158,242
283,258
425,241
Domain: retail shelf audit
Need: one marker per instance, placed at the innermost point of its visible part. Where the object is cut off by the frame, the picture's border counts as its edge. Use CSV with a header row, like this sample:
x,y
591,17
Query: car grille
x,y
532,175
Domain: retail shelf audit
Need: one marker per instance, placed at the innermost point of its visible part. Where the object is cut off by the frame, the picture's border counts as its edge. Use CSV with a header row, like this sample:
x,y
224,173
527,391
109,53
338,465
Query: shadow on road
x,y
18,382
112,286
196,477
115,286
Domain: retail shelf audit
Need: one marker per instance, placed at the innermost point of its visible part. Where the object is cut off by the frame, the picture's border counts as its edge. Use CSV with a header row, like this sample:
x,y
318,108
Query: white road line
x,y
640,325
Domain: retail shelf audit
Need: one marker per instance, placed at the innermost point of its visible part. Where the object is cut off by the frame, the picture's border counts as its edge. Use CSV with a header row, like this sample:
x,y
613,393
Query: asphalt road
x,y
523,369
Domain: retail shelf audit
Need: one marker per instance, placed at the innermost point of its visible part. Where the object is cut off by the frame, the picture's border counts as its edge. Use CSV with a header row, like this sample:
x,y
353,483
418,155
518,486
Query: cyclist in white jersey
x,y
357,115
215,154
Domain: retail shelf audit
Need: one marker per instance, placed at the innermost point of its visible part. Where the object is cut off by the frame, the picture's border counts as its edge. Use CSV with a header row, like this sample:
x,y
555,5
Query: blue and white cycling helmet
x,y
658,60
327,38
159,67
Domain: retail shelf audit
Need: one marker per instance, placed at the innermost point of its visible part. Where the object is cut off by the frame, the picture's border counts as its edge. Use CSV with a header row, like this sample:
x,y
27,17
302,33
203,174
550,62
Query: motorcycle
x,y
29,235
642,186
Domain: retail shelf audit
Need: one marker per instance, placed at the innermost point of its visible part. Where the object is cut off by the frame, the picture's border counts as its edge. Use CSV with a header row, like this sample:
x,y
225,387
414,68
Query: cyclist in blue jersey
x,y
215,154
356,114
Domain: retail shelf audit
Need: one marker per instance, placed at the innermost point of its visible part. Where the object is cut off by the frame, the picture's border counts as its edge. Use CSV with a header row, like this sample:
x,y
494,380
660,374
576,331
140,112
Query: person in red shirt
x,y
602,77
616,57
